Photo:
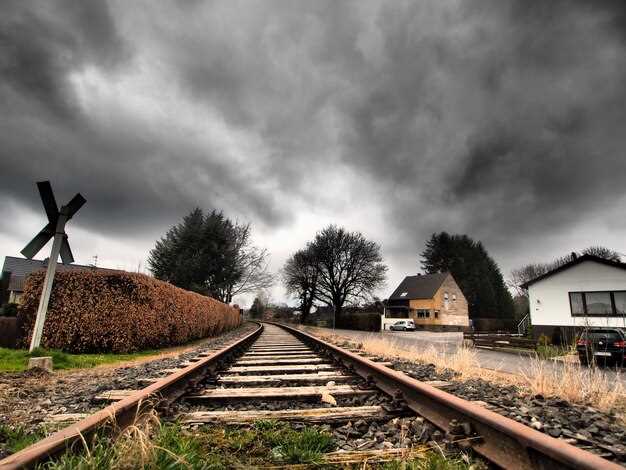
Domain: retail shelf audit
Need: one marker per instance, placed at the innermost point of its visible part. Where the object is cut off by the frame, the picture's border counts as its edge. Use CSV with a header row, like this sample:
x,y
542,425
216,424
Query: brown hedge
x,y
95,311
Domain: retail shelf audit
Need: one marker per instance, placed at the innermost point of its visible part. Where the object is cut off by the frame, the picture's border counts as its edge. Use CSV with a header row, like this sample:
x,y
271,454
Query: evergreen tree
x,y
257,308
477,274
211,255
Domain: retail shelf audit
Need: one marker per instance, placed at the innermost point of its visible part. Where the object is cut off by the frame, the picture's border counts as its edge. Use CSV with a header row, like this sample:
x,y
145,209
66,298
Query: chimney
x,y
574,256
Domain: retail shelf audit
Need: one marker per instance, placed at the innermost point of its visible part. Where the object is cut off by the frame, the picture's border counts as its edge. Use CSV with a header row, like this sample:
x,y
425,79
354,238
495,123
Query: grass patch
x,y
15,438
16,360
152,445
434,461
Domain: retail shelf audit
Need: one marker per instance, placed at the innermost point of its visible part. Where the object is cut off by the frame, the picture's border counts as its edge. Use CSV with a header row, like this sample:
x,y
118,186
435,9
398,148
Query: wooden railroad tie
x,y
278,392
113,395
269,362
280,369
279,356
313,415
320,377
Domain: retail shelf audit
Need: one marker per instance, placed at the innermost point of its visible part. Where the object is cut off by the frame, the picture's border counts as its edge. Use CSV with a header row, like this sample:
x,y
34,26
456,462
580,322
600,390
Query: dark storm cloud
x,y
506,114
132,177
491,117
39,46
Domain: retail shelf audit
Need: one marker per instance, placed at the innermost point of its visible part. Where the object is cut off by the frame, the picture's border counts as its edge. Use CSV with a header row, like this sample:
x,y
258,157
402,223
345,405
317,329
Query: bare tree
x,y
527,273
248,267
349,267
603,252
300,279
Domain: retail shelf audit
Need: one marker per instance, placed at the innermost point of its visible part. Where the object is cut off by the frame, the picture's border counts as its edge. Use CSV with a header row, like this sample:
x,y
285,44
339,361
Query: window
x,y
620,302
598,303
445,296
436,314
576,303
453,297
423,313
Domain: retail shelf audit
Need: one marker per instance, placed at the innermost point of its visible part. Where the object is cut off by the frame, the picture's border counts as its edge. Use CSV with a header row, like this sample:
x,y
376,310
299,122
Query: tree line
x,y
210,254
339,267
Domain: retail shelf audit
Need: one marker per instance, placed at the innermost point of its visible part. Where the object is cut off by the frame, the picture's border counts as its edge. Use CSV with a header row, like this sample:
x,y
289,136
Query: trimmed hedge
x,y
120,312
365,321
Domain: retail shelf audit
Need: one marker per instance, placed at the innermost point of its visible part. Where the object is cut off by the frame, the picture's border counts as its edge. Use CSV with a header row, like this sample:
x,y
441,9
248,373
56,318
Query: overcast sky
x,y
505,120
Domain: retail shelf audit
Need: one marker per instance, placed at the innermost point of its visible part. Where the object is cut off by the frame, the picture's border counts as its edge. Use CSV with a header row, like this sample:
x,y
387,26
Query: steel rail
x,y
124,412
503,441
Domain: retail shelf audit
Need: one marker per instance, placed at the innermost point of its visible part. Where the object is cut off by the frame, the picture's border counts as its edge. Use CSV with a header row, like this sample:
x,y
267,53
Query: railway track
x,y
277,372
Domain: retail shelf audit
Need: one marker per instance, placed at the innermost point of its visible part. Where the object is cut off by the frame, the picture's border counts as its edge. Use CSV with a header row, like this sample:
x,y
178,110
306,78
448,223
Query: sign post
x,y
60,246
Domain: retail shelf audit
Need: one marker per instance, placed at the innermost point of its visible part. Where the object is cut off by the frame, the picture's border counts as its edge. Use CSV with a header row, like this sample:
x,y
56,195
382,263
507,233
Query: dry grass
x,y
575,384
586,386
463,361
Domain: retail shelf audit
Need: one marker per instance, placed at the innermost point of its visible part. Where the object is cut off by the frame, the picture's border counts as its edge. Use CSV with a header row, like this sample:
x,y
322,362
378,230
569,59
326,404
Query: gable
x,y
588,275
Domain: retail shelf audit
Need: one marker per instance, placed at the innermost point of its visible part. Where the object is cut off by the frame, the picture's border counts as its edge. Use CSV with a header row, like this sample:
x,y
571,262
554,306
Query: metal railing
x,y
524,324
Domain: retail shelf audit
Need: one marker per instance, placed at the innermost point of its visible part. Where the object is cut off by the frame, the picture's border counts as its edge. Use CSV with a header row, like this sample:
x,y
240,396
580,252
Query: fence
x,y
495,341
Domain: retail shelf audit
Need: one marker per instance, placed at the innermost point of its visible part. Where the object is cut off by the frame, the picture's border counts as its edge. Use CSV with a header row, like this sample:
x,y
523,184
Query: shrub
x,y
8,310
94,311
365,321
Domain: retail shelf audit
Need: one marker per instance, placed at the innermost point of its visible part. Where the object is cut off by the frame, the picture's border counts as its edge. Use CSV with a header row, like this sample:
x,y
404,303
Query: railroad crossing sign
x,y
60,246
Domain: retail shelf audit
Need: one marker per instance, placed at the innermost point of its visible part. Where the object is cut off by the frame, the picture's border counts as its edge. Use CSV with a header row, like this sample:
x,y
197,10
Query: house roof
x,y
20,268
574,262
422,286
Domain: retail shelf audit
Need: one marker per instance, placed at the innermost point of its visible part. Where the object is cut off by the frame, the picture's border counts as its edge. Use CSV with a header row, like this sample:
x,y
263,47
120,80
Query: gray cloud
x,y
495,118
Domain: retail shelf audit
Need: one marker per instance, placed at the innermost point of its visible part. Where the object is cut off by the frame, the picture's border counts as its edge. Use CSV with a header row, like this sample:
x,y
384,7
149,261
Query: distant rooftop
x,y
20,268
422,286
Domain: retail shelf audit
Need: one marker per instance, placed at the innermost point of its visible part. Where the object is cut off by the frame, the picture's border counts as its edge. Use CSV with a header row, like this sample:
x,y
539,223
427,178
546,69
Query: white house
x,y
587,291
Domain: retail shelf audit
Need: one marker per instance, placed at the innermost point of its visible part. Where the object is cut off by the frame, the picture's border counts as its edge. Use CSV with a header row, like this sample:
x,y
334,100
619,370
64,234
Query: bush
x,y
365,321
92,311
8,310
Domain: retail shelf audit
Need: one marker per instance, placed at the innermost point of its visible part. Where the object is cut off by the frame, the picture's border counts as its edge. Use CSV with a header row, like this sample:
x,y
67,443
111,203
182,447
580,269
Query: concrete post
x,y
382,320
49,279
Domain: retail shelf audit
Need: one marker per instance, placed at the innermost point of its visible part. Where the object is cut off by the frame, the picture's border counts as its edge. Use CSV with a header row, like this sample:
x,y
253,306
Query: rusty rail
x,y
501,440
124,412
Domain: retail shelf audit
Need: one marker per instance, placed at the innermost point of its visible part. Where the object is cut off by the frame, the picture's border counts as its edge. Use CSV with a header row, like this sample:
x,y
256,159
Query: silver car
x,y
403,325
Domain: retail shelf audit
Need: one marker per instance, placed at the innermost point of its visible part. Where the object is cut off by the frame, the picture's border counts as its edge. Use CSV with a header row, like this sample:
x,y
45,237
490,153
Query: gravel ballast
x,y
583,426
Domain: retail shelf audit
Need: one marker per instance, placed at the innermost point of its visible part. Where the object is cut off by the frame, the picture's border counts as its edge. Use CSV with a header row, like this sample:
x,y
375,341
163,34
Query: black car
x,y
605,346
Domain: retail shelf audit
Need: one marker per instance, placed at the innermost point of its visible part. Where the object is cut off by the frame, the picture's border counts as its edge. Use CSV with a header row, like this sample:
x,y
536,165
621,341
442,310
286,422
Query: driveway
x,y
449,342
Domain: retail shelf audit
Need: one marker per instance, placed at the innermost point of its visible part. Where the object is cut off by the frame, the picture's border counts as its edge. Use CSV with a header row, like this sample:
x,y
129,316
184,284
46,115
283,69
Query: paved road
x,y
449,342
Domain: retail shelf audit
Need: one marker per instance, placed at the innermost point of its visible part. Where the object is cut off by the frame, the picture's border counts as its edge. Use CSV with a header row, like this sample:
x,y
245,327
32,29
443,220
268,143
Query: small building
x,y
434,302
586,292
16,270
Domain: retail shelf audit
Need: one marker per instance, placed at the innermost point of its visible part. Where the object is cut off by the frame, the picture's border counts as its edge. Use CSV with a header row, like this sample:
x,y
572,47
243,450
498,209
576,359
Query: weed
x,y
547,351
434,461
306,446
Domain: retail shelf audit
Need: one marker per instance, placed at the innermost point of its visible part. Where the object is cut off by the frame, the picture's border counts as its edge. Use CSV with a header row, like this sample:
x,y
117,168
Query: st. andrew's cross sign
x,y
55,228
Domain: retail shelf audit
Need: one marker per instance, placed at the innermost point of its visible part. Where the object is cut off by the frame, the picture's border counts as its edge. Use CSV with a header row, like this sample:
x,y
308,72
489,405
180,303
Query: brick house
x,y
434,302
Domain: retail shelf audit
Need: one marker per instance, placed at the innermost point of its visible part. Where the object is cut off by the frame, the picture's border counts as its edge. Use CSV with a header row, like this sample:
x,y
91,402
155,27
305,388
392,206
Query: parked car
x,y
403,325
603,346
